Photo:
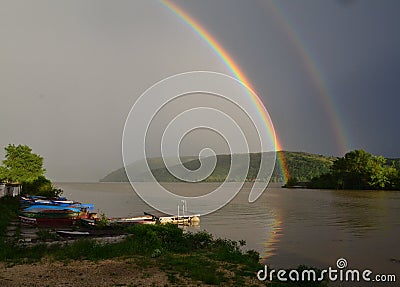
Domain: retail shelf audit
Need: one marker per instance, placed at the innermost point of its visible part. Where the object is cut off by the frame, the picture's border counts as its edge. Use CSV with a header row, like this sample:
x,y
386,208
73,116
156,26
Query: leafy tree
x,y
323,181
292,181
3,173
359,169
21,165
393,177
41,186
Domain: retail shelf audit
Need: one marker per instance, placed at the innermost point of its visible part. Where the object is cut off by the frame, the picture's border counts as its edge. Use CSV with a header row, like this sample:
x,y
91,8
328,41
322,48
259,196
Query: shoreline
x,y
135,271
149,255
110,272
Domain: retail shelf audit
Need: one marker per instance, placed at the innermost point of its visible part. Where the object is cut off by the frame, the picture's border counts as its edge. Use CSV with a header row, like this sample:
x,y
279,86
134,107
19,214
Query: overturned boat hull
x,y
119,221
47,222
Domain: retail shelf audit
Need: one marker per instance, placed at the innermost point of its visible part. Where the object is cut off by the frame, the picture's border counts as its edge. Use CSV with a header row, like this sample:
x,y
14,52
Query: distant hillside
x,y
221,170
300,165
119,175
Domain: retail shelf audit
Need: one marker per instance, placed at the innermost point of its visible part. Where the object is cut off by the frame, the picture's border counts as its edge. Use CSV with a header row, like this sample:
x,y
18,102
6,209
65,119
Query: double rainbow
x,y
236,71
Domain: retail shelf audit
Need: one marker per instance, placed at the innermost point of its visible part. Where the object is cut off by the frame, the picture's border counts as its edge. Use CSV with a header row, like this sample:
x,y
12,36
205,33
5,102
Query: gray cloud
x,y
70,70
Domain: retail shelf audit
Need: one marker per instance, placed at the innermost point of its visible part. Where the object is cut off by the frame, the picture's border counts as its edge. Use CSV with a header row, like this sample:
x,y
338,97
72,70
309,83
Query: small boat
x,y
119,221
57,201
88,206
38,208
88,222
44,200
145,219
181,219
95,233
27,220
52,213
47,222
66,233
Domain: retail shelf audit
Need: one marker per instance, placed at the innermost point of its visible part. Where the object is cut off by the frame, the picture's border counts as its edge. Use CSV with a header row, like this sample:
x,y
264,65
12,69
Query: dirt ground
x,y
84,273
115,272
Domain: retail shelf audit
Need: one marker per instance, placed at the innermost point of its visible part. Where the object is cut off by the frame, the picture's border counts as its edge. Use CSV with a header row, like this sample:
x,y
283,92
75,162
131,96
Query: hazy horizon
x,y
71,70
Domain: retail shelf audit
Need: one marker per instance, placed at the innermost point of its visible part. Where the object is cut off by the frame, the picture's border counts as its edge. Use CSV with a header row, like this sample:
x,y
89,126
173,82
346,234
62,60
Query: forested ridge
x,y
300,165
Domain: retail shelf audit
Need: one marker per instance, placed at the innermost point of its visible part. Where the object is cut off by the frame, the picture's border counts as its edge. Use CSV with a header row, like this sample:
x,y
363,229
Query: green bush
x,y
41,186
194,255
8,211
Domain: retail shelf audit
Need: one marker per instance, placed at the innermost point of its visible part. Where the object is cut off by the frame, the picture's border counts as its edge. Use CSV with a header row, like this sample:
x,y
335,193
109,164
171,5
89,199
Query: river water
x,y
288,227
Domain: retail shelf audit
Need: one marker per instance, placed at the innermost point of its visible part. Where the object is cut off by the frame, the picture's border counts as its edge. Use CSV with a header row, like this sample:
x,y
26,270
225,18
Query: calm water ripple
x,y
288,227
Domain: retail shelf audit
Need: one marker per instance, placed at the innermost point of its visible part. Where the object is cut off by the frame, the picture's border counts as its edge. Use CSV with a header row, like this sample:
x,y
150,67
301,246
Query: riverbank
x,y
161,255
150,255
109,272
158,249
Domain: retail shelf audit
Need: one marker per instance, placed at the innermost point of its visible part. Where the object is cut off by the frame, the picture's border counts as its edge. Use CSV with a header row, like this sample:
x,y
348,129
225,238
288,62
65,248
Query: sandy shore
x,y
82,273
115,272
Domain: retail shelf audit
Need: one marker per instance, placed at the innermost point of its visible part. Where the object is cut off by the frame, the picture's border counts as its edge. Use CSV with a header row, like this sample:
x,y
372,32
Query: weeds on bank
x,y
45,234
193,255
8,211
197,256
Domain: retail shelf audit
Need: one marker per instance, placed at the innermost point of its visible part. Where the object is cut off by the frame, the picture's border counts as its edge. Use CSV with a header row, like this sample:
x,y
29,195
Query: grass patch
x,y
193,255
45,234
8,211
196,267
196,256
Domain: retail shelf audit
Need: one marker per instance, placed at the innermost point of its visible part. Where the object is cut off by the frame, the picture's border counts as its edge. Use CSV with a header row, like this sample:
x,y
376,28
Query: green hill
x,y
300,165
137,167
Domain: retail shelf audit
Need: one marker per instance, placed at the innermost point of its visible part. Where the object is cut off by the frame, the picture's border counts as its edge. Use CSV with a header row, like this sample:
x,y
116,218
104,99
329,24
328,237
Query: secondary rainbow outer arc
x,y
235,69
314,72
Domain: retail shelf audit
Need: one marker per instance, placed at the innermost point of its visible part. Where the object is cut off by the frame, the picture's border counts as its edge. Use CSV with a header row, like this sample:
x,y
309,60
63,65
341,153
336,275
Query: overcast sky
x,y
71,70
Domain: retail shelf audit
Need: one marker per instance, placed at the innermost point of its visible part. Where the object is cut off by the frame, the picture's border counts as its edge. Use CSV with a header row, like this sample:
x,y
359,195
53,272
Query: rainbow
x,y
273,235
235,69
314,73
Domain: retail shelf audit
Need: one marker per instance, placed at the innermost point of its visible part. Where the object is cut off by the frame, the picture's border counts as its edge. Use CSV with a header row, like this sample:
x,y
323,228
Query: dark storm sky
x,y
71,70
353,44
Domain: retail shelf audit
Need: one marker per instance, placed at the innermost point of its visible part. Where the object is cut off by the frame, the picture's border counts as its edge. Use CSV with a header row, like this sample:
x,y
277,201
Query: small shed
x,y
10,189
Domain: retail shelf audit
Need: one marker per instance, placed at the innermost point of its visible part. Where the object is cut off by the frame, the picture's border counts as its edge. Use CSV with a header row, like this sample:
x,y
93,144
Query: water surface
x,y
288,227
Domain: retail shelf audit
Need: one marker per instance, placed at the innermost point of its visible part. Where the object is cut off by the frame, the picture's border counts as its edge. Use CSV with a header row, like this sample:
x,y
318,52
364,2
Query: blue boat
x,y
88,206
38,208
60,201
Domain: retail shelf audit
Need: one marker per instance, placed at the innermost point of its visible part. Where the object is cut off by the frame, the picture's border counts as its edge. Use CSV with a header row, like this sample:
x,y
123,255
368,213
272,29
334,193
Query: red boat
x,y
51,222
